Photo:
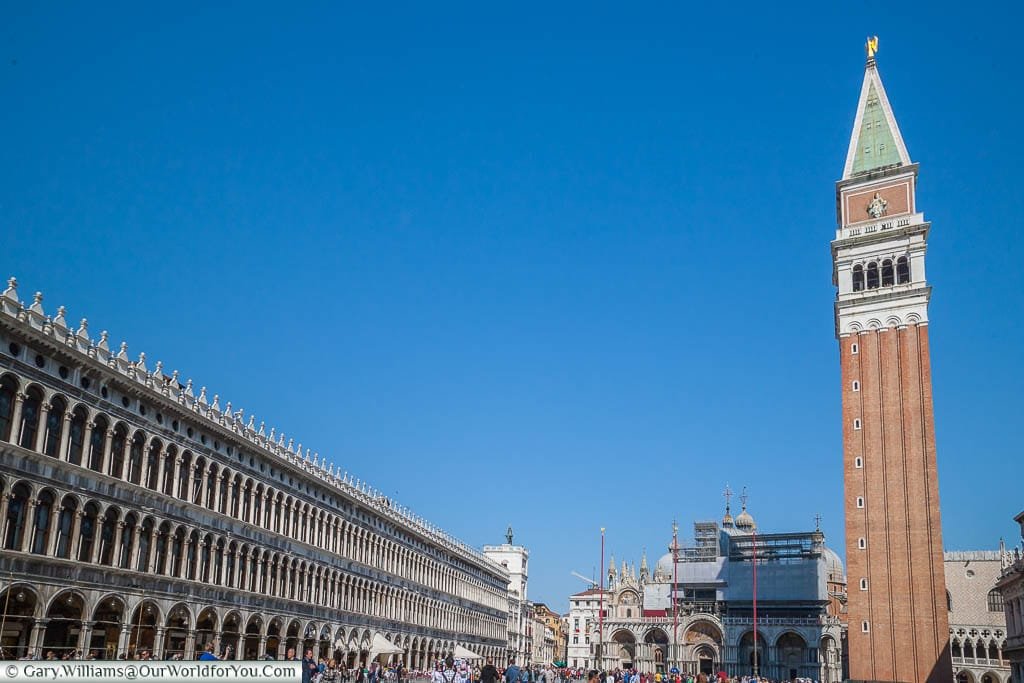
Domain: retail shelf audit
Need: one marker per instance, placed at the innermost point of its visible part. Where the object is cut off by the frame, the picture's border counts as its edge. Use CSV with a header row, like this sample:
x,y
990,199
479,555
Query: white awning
x,y
465,653
383,646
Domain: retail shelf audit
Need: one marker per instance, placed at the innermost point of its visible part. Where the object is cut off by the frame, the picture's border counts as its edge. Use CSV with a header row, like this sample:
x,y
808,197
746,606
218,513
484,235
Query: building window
x,y
872,275
854,349
864,627
887,274
860,501
902,270
575,640
856,423
856,385
949,601
862,543
863,584
858,278
858,462
995,601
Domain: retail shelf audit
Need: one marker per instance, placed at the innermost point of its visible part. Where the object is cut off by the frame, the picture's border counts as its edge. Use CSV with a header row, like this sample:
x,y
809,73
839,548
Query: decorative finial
x,y
743,498
871,47
728,497
508,534
817,521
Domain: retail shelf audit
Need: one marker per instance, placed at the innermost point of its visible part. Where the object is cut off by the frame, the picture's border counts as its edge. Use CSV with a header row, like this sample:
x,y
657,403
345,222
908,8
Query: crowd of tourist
x,y
450,670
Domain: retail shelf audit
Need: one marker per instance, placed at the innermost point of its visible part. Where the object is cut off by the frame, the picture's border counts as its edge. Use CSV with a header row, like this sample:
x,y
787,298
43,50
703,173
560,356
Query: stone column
x,y
75,539
143,464
87,443
118,543
147,561
190,645
133,562
158,643
228,575
35,640
202,566
203,484
4,500
44,411
84,636
29,528
174,477
108,438
51,533
258,573
123,639
65,436
19,399
190,484
97,533
185,564
216,492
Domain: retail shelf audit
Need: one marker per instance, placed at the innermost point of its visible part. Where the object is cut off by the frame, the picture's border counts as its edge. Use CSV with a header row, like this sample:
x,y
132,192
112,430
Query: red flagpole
x,y
600,612
754,536
675,595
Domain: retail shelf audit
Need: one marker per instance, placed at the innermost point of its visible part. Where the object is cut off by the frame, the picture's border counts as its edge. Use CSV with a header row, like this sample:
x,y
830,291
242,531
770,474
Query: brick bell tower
x,y
898,623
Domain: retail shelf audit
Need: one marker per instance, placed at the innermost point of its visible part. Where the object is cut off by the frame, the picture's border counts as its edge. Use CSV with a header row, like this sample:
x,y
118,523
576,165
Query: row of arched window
x,y
884,274
48,424
60,525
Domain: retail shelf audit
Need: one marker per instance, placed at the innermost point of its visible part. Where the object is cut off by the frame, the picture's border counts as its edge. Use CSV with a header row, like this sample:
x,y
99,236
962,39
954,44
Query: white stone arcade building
x,y
139,514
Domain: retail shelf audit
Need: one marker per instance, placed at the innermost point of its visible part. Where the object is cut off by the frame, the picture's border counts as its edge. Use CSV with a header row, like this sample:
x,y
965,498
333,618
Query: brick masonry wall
x,y
905,603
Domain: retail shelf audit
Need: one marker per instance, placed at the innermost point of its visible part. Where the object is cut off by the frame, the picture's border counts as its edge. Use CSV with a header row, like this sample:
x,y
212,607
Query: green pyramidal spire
x,y
876,141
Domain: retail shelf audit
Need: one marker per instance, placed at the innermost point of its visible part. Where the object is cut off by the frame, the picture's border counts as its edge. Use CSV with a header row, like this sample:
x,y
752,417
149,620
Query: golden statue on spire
x,y
872,46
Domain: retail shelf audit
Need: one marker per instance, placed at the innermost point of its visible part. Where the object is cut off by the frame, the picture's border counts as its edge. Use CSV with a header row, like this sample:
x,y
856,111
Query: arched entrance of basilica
x,y
705,657
622,649
703,647
656,651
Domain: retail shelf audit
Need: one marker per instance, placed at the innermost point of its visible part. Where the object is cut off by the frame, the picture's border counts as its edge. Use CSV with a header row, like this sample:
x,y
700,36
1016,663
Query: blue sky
x,y
559,267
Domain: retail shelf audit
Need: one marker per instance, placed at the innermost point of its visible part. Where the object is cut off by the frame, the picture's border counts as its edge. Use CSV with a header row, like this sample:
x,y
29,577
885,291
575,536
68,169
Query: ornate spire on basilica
x,y
645,571
744,520
727,520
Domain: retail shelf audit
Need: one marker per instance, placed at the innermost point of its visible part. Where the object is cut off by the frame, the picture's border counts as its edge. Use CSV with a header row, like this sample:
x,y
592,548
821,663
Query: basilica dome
x,y
745,521
833,564
664,566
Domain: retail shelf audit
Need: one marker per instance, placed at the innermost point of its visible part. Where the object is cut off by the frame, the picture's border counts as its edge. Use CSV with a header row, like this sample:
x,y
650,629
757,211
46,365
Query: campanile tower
x,y
898,623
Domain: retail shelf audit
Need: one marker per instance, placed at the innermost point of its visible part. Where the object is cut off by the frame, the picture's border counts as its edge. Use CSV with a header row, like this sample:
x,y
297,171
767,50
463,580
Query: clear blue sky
x,y
559,266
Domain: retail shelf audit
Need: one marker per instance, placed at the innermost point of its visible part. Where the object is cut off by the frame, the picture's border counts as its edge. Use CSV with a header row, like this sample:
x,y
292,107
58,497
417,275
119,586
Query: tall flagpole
x,y
675,595
600,612
754,536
